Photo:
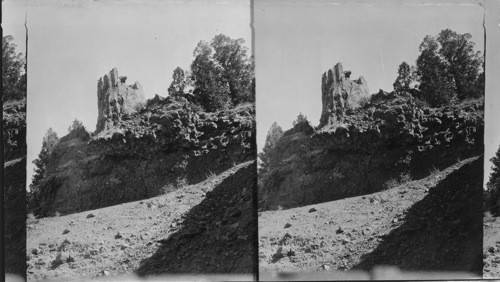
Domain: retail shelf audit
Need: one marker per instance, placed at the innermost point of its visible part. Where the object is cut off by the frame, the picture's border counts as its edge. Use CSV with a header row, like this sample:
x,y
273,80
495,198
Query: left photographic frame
x,y
140,158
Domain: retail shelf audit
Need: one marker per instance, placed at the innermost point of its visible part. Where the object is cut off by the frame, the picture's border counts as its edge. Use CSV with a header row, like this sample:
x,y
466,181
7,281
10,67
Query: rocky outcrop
x,y
370,149
116,99
167,145
339,94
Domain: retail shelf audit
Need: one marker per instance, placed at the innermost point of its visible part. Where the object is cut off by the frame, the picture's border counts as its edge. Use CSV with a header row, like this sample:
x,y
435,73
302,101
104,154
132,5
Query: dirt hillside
x,y
433,224
121,239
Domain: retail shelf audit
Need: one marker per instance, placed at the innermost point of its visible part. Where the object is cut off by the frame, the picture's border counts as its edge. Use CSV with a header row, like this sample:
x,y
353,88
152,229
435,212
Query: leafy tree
x,y
406,75
210,90
436,83
463,63
273,135
449,67
13,71
222,73
49,142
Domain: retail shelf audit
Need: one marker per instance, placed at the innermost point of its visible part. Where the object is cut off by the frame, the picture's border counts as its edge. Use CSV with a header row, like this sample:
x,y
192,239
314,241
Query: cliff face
x,y
164,146
371,148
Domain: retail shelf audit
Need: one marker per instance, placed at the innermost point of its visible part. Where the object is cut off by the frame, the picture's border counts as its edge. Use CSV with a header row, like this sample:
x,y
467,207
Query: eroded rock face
x,y
115,99
340,93
165,146
371,149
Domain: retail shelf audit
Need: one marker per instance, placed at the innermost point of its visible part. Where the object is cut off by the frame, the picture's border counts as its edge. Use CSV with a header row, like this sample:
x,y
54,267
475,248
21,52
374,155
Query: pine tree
x,y
50,140
179,82
406,75
301,120
273,135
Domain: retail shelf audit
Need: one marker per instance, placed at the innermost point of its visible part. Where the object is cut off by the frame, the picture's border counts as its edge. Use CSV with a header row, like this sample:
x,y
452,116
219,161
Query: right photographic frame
x,y
491,239
374,161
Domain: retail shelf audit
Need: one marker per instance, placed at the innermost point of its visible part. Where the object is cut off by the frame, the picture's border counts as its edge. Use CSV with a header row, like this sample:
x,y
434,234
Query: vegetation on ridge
x,y
221,76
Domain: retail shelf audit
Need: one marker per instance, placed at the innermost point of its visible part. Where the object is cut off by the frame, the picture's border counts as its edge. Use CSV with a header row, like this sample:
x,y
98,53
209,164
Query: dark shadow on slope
x,y
14,181
442,232
217,235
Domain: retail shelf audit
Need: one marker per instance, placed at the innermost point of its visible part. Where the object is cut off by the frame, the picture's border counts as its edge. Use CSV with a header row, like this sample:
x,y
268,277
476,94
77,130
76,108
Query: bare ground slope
x,y
491,243
14,179
120,239
433,224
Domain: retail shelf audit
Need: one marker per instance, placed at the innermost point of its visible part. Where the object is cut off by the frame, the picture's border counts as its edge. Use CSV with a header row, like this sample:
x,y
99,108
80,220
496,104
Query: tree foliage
x,y
77,130
13,71
180,82
222,73
449,68
463,63
75,125
273,135
436,83
301,120
50,140
406,75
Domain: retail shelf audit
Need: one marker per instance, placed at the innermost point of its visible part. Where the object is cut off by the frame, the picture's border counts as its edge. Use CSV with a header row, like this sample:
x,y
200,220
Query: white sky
x,y
73,43
296,41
